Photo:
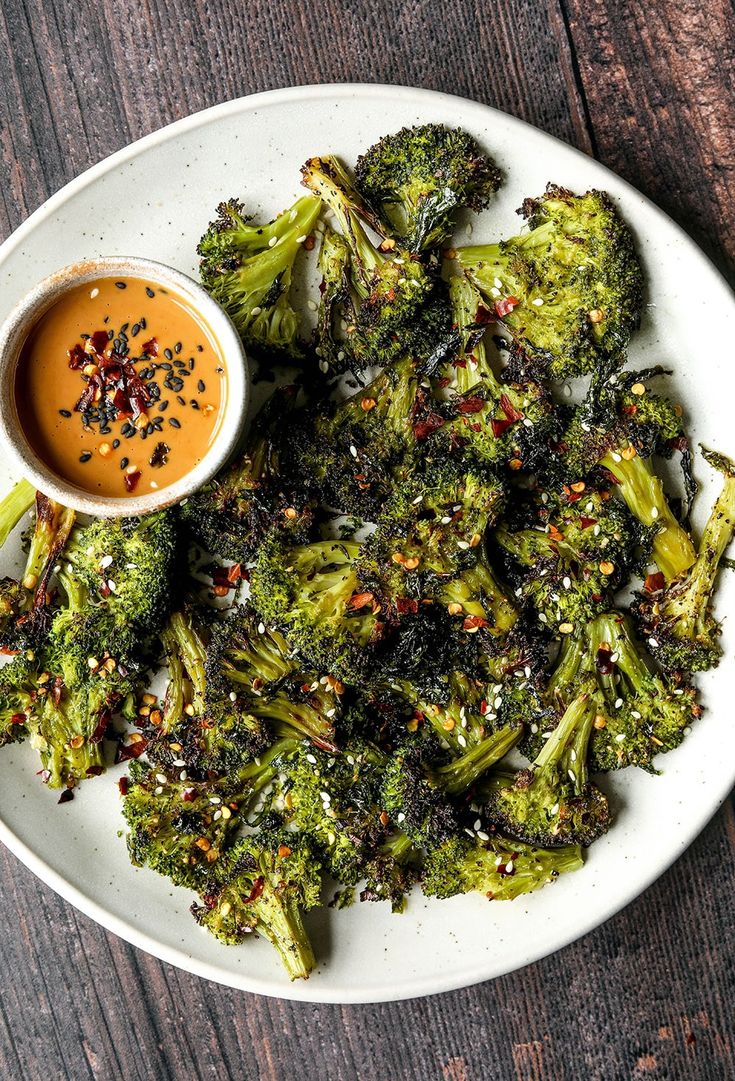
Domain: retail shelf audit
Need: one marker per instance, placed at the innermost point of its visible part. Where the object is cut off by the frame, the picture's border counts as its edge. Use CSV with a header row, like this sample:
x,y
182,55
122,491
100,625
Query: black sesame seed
x,y
143,433
149,428
192,362
201,386
149,291
104,430
174,422
136,330
85,456
166,367
179,364
110,334
120,285
115,444
168,354
65,413
194,403
177,347
124,463
180,400
106,319
163,406
123,328
143,323
200,348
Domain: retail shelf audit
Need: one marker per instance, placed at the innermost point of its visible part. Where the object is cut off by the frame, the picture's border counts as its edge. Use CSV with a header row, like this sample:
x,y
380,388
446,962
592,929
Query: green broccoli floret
x,y
311,593
553,803
257,665
574,556
419,178
334,800
263,884
416,793
230,515
498,867
180,827
352,452
677,619
391,871
637,714
495,420
389,289
570,291
619,427
248,269
18,691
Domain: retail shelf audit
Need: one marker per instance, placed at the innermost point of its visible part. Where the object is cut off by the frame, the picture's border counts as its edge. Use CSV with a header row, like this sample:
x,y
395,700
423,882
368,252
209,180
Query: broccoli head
x,y
248,268
496,866
419,178
263,884
570,291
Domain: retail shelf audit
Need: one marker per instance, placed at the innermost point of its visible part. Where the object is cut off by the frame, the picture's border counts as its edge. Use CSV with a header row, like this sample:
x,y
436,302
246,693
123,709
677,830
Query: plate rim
x,y
317,989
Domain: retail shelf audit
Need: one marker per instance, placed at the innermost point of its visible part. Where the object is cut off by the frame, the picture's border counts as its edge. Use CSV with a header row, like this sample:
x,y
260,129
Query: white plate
x,y
154,199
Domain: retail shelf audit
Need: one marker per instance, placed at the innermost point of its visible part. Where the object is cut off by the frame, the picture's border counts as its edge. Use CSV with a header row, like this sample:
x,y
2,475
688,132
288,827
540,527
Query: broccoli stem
x,y
458,775
643,493
280,921
568,742
54,523
187,657
687,604
480,596
13,506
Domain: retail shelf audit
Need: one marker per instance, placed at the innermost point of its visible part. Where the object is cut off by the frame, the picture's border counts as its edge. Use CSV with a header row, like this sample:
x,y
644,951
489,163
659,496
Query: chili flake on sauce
x,y
109,387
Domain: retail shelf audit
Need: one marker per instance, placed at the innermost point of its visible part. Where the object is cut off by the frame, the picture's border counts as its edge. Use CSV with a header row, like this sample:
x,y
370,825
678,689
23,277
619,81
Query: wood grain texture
x,y
649,90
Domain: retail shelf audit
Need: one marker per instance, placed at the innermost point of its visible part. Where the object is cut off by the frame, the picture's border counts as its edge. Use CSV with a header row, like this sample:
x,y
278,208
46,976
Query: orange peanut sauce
x,y
121,387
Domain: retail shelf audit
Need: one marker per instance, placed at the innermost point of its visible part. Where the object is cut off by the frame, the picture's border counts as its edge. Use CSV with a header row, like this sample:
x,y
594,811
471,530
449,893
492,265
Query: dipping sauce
x,y
121,387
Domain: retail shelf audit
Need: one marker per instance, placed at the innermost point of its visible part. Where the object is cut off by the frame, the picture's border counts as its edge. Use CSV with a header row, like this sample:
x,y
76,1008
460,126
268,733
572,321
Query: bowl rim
x,y
26,313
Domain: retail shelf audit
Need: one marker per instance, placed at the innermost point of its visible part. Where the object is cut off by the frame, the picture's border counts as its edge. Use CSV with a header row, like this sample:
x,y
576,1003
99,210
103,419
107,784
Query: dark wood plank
x,y
649,995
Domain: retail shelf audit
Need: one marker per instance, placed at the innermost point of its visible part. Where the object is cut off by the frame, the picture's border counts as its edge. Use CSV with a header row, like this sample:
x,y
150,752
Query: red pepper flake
x,y
473,404
130,750
604,662
131,480
483,707
150,348
77,357
587,522
407,606
424,428
99,732
459,362
258,887
57,688
500,426
99,341
189,795
630,410
66,796
122,784
95,771
18,718
471,623
654,582
227,577
509,409
359,600
483,316
442,383
506,306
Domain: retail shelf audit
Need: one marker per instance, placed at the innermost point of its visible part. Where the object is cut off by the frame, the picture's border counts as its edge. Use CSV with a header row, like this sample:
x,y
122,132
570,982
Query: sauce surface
x,y
121,387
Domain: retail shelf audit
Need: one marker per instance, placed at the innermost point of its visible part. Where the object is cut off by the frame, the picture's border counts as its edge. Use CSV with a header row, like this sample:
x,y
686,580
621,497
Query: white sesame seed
x,y
572,776
597,530
415,502
353,451
94,293
653,643
233,696
495,292
542,618
400,817
256,310
105,561
537,302
157,791
477,825
534,728
469,832
636,714
566,581
509,867
111,586
461,740
301,239
615,456
161,778
272,242
654,513
482,836
620,737
615,657
618,703
555,809
182,775
498,702
179,762
463,544
261,628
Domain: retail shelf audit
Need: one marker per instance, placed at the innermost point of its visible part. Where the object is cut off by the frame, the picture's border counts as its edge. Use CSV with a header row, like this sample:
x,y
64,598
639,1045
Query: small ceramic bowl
x,y
35,304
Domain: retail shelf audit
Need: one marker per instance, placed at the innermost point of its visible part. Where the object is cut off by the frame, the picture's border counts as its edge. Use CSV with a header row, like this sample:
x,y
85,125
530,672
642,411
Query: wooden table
x,y
649,90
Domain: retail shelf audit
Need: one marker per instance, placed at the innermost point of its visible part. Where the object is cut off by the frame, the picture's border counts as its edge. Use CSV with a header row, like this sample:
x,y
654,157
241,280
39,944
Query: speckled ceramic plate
x,y
154,199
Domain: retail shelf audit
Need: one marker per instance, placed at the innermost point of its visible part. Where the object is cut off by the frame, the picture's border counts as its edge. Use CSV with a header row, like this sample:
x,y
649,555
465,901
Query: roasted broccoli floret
x,y
496,420
575,551
637,714
18,692
619,427
677,619
570,291
416,793
334,801
230,515
247,269
335,304
391,293
257,665
553,803
391,872
311,593
180,827
352,452
498,867
419,178
263,884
